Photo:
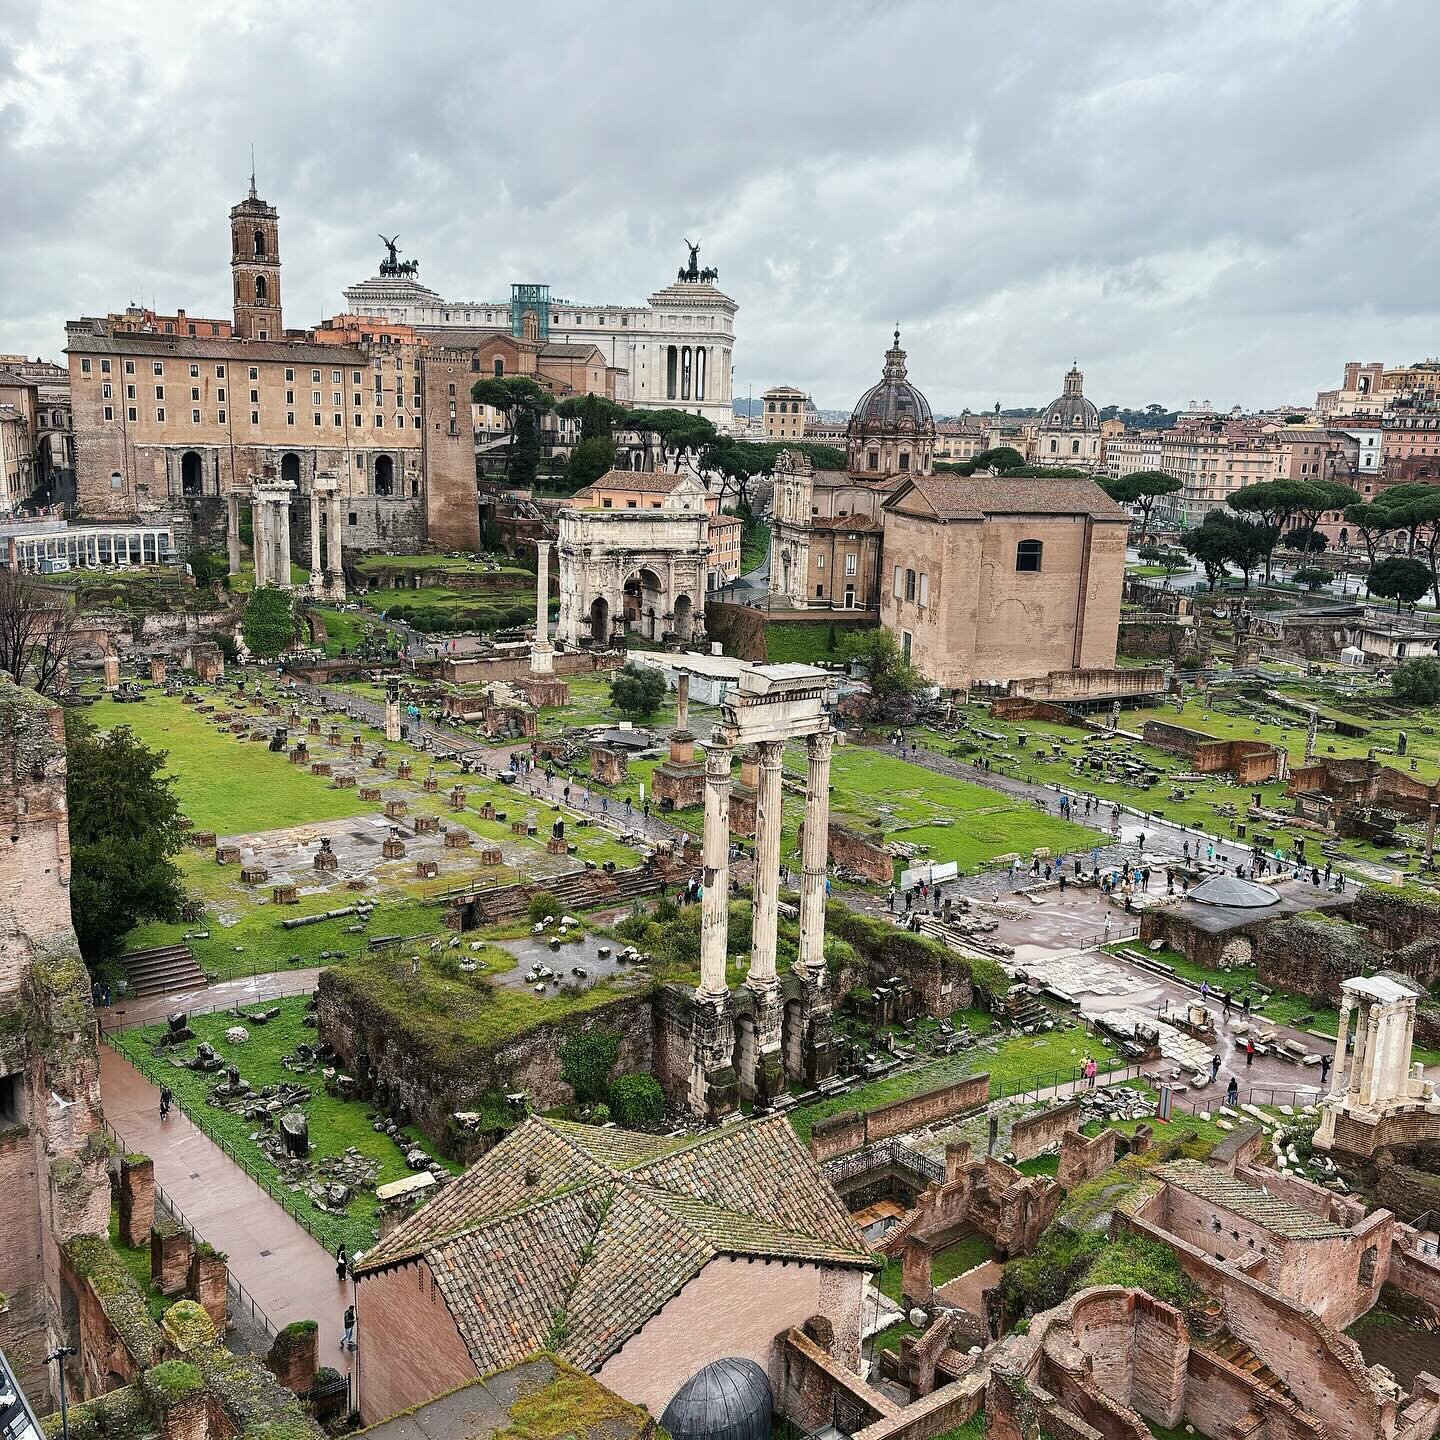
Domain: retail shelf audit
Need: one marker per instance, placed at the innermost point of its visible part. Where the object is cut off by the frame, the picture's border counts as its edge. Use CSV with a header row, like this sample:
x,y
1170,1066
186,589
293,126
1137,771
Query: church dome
x,y
1071,410
894,406
728,1400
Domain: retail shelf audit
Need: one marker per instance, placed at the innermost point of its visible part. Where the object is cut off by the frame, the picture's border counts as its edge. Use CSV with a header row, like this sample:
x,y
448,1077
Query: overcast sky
x,y
1197,200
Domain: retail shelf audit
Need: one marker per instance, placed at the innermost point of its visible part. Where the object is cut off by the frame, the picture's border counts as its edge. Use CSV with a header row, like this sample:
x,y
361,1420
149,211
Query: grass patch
x,y
224,784
137,1262
960,1258
334,1124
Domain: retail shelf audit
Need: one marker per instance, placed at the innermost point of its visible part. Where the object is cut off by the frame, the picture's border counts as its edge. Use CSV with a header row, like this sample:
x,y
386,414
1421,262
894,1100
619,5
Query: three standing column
x,y
715,857
766,885
260,541
815,860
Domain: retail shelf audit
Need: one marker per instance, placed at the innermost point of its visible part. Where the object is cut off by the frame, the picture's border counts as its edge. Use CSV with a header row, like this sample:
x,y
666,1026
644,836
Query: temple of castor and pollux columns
x,y
270,496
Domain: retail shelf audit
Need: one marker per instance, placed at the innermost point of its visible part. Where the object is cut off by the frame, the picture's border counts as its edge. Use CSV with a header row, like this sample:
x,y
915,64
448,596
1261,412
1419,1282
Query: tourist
x,y
1232,1092
1062,884
1204,990
1249,1051
1214,1066
1142,842
1225,1002
1209,852
1325,1064
166,1097
890,896
646,808
347,1340
1315,876
994,1133
342,1262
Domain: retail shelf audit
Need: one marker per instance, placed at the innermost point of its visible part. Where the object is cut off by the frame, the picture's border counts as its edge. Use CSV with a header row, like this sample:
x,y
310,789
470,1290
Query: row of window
x,y
132,414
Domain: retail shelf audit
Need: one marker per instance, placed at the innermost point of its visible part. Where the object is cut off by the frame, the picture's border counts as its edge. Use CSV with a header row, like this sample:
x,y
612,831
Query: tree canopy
x,y
895,683
1417,682
522,401
1400,579
1141,488
124,827
36,629
269,622
999,457
637,690
1224,540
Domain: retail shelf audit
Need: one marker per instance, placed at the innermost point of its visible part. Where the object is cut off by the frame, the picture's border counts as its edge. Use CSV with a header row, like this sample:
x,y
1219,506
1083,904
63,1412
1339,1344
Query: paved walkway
x,y
247,990
289,1274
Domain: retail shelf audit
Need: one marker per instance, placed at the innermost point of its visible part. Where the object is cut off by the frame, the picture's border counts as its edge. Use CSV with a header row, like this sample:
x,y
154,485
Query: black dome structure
x,y
893,406
1071,411
729,1399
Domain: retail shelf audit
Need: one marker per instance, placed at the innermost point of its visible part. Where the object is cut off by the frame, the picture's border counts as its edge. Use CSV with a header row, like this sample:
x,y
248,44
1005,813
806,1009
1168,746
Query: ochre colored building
x,y
639,1259
989,579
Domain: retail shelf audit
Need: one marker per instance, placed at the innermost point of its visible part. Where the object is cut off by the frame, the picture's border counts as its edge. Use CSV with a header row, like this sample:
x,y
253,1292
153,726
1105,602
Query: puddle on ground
x,y
534,952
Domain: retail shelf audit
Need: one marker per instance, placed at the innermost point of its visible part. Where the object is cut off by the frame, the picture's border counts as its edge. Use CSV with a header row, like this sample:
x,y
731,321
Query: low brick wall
x,y
1082,1158
849,1131
1037,1133
855,852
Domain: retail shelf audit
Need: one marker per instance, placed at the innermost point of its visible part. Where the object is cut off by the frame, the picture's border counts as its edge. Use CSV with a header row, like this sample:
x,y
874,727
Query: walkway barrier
x,y
282,991
1052,1081
270,1184
240,1299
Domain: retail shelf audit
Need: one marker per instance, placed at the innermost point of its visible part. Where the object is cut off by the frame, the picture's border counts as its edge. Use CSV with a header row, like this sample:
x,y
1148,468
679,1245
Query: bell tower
x,y
255,267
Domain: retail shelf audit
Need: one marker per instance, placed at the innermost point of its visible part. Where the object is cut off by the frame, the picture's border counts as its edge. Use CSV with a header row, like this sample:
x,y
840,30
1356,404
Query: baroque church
x,y
980,578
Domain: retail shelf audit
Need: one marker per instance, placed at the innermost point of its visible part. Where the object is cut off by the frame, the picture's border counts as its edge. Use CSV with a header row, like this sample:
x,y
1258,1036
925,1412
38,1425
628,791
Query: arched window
x,y
259,244
262,290
1027,555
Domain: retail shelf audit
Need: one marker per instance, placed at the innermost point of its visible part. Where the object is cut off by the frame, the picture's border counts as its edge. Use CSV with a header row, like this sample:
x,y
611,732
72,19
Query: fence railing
x,y
271,1185
1036,1085
239,1298
113,1019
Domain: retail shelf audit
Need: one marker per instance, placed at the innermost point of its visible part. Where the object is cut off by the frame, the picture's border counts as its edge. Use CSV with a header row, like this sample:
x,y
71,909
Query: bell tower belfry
x,y
255,267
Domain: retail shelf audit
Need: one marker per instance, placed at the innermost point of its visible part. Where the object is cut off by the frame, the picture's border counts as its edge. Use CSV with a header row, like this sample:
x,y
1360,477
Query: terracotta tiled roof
x,y
1269,1212
956,497
198,347
649,482
571,1236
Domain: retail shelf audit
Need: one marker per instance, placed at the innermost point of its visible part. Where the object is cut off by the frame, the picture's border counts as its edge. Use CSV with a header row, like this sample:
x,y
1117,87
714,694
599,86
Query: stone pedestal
x,y
393,848
284,895
427,824
679,782
227,854
112,672
392,719
608,766
457,839
714,1087
457,798
370,792
158,672
395,809
426,869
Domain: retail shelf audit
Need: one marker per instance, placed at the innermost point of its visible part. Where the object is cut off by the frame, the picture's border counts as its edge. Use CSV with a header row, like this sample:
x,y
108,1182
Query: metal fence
x,y
270,1184
286,988
240,1300
1033,1087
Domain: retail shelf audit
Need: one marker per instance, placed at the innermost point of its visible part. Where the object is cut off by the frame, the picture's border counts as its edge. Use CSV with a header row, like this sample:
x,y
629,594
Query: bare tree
x,y
36,632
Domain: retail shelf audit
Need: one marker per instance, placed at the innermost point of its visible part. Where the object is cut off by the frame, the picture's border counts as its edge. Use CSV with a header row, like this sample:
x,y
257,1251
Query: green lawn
x,y
960,1258
804,642
227,785
345,630
335,1124
1010,1064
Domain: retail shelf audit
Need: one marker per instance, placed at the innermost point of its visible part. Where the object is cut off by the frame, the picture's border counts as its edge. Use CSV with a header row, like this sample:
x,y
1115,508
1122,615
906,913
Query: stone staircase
x,y
162,969
583,890
1238,1354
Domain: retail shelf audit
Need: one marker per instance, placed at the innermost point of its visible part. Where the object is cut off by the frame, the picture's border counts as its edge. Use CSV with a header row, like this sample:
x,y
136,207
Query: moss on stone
x,y
570,1404
187,1326
120,1414
170,1382
92,1258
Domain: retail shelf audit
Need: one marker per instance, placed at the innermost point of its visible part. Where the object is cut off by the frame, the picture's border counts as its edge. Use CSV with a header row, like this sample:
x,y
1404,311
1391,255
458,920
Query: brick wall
x,y
1217,1395
1324,1369
849,1131
1082,1158
815,1389
734,1307
855,852
1413,1273
412,1349
1037,1133
137,1200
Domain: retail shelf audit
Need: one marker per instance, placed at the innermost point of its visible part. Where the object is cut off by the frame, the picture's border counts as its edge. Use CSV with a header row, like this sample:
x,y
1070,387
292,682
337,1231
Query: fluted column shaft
x,y
766,884
1342,1032
816,854
232,534
260,541
332,539
316,568
715,858
282,536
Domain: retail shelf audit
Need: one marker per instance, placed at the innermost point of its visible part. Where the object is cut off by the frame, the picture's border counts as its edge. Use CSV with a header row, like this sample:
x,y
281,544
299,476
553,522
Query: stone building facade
x,y
674,352
988,579
1069,430
170,423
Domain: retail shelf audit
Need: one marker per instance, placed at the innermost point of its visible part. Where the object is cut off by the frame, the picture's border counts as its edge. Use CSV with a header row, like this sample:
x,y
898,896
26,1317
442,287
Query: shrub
x,y
586,1060
637,690
543,903
637,1102
1417,682
269,623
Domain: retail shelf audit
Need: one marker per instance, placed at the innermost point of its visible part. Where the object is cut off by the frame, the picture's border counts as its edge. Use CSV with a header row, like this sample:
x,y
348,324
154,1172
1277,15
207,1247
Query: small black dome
x,y
728,1400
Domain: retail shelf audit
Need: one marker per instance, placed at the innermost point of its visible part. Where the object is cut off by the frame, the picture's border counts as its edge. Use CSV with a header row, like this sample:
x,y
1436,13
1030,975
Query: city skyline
x,y
1171,195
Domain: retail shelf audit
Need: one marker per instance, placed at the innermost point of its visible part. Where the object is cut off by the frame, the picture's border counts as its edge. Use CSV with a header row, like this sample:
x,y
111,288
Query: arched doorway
x,y
290,469
192,481
384,475
684,618
600,620
644,602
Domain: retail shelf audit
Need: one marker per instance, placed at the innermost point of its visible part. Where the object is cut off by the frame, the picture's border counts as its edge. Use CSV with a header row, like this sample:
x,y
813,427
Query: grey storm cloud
x,y
1195,200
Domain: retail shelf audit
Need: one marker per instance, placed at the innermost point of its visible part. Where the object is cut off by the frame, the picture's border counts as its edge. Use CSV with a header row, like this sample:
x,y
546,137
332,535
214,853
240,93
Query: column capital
x,y
821,744
772,754
719,761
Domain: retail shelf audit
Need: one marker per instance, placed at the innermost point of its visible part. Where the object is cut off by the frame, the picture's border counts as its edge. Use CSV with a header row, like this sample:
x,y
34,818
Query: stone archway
x,y
384,475
290,468
644,602
684,617
600,620
192,475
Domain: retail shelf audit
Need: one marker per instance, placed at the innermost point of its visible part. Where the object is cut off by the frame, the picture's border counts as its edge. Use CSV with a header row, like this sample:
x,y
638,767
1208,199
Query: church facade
x,y
1068,434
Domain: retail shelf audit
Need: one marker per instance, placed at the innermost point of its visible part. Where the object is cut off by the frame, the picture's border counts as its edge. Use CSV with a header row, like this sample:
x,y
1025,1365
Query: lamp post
x,y
57,1358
